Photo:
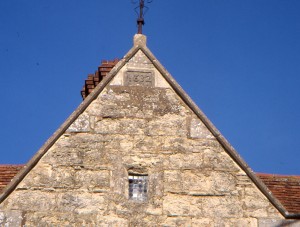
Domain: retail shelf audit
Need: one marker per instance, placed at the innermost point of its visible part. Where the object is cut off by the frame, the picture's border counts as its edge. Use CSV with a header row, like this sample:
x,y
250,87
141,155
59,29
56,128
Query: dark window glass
x,y
138,187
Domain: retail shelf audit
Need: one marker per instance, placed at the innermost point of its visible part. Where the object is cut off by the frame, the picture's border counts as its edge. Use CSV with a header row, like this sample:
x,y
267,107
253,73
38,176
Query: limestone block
x,y
35,201
156,186
167,125
2,217
92,180
181,205
111,221
273,212
221,206
198,182
139,219
268,222
249,222
106,104
159,80
112,143
87,150
68,156
156,210
179,144
119,180
186,161
174,144
80,140
203,222
81,124
173,181
199,130
111,95
176,205
111,110
11,218
224,182
140,60
137,102
207,183
49,219
219,161
96,159
80,202
256,206
38,177
143,161
252,191
254,199
143,143
177,221
58,178
120,126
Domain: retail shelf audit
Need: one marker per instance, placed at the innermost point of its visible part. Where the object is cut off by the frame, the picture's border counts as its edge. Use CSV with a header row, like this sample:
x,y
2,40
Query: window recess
x,y
138,187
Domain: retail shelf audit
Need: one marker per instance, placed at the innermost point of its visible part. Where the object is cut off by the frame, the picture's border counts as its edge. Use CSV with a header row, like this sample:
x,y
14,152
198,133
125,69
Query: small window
x,y
138,187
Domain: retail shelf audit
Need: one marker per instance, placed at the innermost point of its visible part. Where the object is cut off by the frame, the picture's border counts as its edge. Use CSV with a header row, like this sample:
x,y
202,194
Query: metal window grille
x,y
138,187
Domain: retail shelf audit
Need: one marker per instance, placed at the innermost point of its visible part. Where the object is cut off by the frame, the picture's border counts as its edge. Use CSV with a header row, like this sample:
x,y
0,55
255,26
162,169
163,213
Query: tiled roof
x,y
7,173
94,79
285,188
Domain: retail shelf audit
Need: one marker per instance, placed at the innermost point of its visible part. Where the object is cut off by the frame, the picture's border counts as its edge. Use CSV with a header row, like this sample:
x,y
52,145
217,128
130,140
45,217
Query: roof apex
x,y
139,40
140,44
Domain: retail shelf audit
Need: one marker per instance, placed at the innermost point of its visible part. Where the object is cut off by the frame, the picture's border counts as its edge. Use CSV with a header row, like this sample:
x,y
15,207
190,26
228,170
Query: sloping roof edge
x,y
227,146
140,44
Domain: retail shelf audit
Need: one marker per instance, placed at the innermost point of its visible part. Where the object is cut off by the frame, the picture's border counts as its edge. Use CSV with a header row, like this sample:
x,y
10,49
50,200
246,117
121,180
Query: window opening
x,y
138,187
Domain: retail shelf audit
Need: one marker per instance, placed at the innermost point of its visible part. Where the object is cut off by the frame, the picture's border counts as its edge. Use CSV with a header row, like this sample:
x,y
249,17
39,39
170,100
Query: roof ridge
x,y
278,175
11,165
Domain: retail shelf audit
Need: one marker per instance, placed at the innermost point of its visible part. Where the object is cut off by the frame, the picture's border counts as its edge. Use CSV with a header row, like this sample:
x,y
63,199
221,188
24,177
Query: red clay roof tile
x,y
285,188
7,173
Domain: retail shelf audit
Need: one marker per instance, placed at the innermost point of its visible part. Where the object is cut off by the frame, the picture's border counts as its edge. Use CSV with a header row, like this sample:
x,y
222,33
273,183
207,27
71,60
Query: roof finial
x,y
141,13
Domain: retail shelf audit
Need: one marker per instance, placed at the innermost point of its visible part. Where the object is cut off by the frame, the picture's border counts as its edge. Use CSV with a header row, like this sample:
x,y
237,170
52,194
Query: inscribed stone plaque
x,y
136,78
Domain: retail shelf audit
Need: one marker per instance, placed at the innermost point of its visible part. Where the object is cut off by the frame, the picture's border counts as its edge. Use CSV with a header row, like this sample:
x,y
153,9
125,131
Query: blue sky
x,y
238,60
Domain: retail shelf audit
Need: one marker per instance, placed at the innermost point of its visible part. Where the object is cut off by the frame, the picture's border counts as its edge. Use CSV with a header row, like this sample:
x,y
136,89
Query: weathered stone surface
x,y
140,61
177,221
11,218
203,222
197,183
82,124
177,205
275,222
249,222
122,126
112,221
140,78
199,130
136,102
221,206
82,180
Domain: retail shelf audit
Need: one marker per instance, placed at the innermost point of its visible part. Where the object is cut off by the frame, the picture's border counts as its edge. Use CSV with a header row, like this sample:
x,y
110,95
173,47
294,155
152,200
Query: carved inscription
x,y
144,79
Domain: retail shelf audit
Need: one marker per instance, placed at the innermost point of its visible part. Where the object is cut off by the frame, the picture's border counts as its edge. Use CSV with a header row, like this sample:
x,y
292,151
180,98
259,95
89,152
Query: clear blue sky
x,y
238,60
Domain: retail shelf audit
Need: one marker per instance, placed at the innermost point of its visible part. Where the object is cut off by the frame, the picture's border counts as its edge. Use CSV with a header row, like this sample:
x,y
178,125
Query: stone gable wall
x,y
83,178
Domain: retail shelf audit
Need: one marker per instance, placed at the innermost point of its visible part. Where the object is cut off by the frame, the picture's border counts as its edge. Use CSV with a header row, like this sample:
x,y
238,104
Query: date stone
x,y
144,79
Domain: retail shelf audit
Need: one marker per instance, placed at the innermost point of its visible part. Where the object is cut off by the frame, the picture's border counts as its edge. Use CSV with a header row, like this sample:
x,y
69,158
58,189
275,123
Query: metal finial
x,y
141,10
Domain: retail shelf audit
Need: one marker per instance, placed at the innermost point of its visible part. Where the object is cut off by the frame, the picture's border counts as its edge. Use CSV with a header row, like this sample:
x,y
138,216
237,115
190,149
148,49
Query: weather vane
x,y
141,10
